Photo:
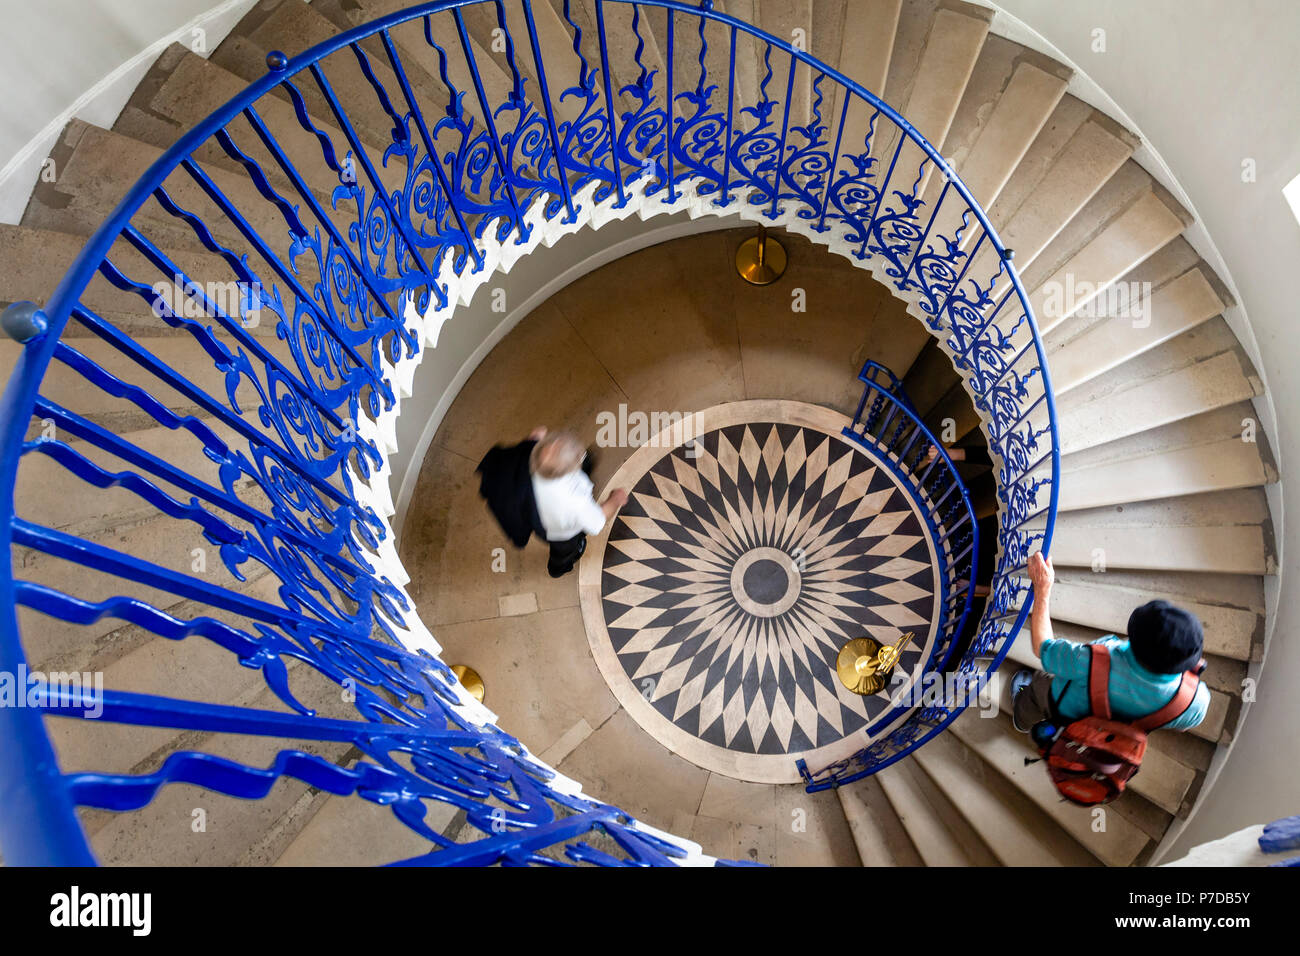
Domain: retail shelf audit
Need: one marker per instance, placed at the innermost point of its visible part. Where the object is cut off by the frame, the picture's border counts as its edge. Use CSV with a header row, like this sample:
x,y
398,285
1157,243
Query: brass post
x,y
761,260
470,680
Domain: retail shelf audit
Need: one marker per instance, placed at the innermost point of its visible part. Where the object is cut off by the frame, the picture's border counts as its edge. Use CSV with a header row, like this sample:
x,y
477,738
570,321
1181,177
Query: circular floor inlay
x,y
719,598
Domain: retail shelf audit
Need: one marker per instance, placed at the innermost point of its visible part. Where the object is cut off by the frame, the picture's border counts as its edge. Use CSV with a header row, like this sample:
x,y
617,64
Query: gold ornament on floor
x,y
470,680
761,260
864,663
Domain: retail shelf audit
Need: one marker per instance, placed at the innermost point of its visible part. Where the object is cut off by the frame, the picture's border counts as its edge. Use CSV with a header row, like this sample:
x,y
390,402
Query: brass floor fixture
x,y
470,680
761,260
864,663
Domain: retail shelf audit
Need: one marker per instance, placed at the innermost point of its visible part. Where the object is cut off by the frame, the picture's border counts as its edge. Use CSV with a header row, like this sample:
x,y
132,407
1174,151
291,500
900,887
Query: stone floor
x,y
669,329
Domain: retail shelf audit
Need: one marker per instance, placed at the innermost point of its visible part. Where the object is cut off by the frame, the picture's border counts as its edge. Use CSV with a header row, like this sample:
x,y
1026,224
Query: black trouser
x,y
1034,702
565,554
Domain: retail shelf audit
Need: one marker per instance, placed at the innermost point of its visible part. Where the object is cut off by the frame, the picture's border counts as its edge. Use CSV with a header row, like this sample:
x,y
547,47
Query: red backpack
x,y
1092,759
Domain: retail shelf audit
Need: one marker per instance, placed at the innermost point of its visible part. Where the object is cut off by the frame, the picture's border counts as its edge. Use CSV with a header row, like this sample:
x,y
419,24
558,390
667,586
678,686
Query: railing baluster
x,y
731,109
376,183
434,161
560,173
609,103
286,276
166,266
489,120
670,65
305,193
785,132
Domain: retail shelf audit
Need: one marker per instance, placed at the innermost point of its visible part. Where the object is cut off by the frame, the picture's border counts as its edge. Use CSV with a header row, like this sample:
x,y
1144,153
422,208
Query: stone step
x,y
293,26
866,52
351,831
1230,631
39,258
171,831
1009,96
1120,843
277,837
1163,266
911,32
1224,550
781,20
417,55
937,830
1140,535
791,21
621,44
1054,182
1167,396
1056,140
1174,308
1237,422
1124,242
183,88
1212,466
1017,831
160,540
1086,168
96,169
1198,344
553,37
194,669
934,92
866,42
51,495
181,355
1125,187
878,834
956,39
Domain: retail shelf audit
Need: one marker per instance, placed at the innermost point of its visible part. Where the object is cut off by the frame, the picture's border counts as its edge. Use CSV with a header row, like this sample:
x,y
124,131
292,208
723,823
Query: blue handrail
x,y
895,430
298,418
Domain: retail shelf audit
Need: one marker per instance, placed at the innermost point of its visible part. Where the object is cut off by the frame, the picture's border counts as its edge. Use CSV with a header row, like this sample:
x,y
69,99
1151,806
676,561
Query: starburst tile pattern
x,y
739,568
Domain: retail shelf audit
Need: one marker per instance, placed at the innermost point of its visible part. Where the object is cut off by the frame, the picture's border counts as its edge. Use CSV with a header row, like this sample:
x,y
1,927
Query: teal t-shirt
x,y
1134,691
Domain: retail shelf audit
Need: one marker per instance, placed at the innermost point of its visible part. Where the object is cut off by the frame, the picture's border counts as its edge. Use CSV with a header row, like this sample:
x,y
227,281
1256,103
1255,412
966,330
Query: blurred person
x,y
540,486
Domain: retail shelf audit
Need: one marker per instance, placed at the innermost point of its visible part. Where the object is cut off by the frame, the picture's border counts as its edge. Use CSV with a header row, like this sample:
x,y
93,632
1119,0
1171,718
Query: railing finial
x,y
276,61
23,322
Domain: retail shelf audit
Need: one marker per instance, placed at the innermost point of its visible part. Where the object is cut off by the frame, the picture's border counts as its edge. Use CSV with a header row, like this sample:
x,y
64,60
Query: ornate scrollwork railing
x,y
273,350
888,423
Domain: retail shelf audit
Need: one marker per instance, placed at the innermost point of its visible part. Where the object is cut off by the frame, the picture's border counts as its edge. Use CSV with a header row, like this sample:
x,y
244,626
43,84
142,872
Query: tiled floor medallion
x,y
717,601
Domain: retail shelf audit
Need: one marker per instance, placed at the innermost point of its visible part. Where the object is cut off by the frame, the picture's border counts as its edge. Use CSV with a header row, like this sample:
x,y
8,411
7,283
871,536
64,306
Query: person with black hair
x,y
1146,668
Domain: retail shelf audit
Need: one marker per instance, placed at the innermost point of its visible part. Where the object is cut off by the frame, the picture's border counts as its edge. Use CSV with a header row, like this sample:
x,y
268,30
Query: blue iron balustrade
x,y
893,429
887,423
278,368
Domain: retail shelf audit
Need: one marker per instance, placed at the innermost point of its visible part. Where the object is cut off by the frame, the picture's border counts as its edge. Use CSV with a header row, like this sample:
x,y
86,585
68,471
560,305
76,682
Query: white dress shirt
x,y
566,506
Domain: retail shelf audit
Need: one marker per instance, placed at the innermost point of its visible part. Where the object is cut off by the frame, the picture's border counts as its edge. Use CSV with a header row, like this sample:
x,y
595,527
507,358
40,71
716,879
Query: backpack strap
x,y
1099,681
1175,708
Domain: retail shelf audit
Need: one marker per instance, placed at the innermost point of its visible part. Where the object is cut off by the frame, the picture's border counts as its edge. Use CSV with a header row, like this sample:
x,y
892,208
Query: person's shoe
x,y
1019,682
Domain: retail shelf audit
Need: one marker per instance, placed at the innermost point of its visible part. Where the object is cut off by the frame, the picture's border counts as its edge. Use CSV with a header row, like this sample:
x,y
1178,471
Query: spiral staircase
x,y
140,493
